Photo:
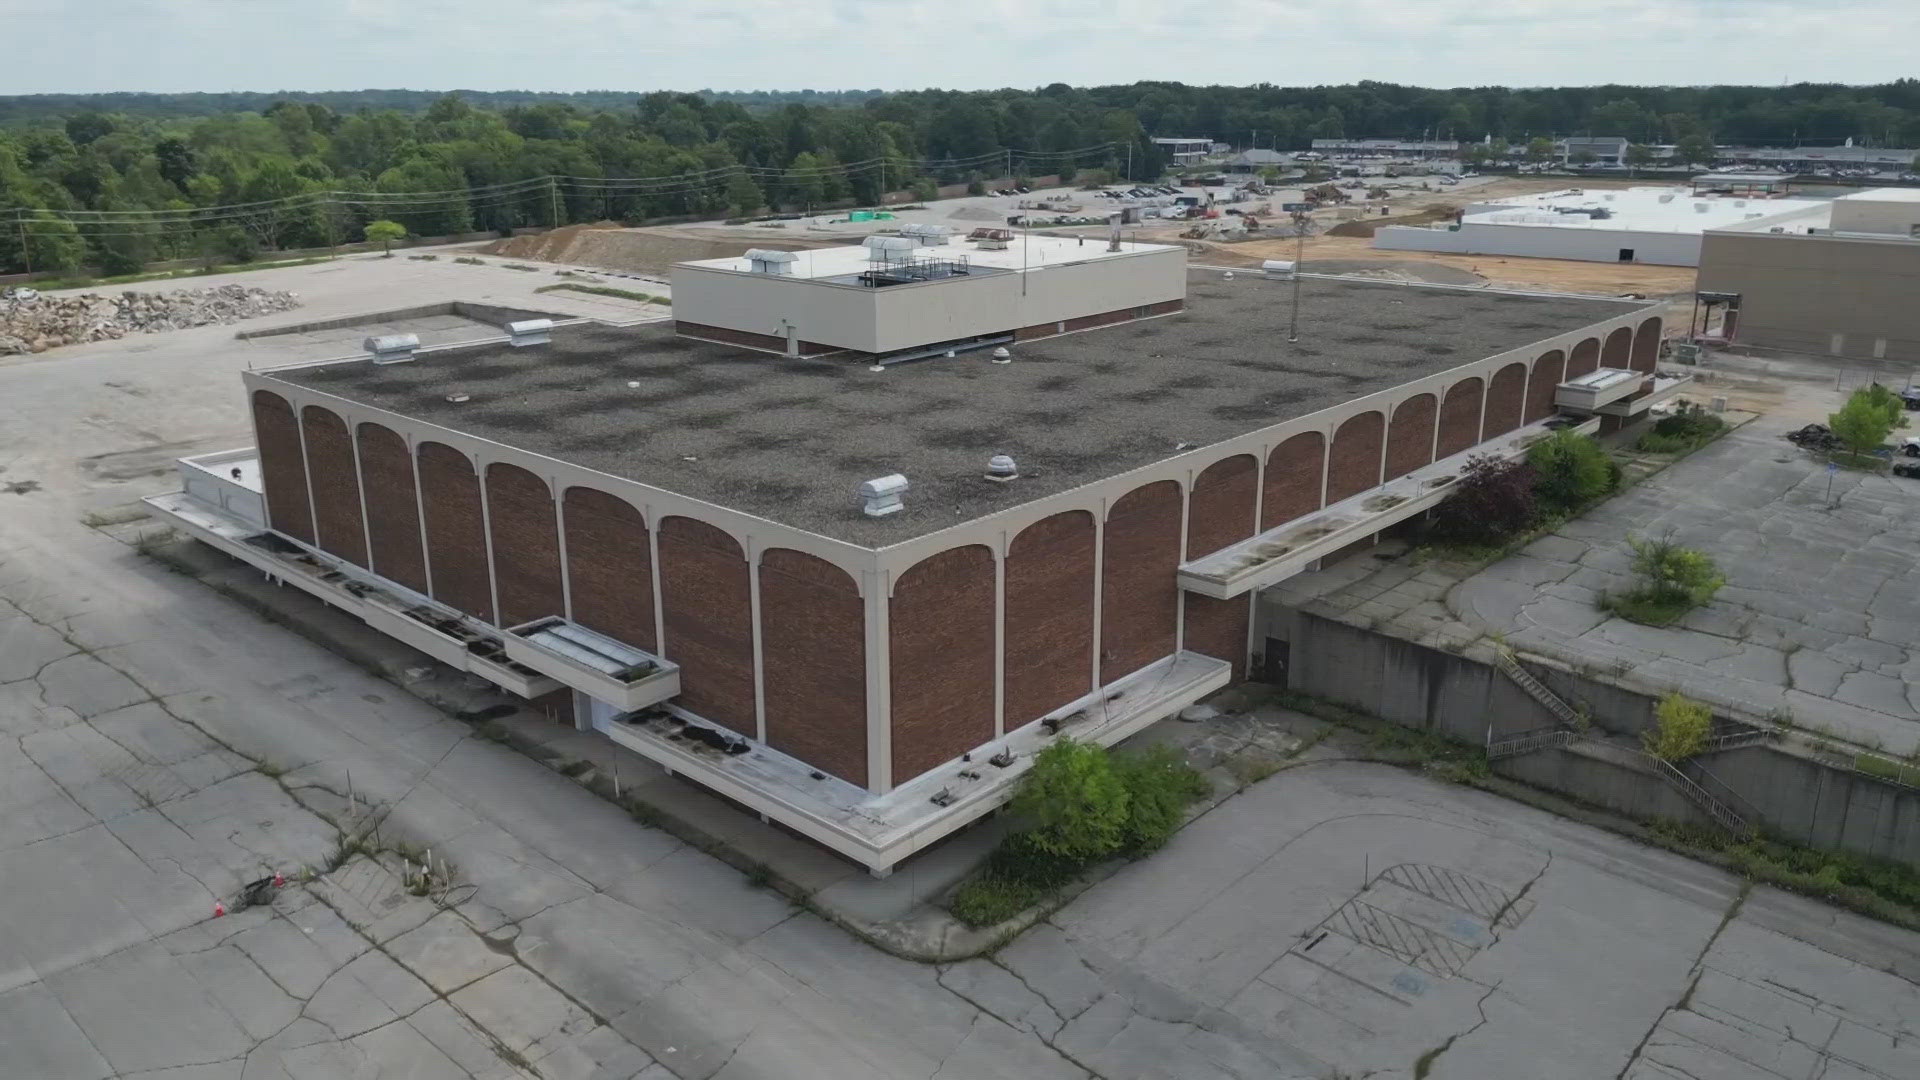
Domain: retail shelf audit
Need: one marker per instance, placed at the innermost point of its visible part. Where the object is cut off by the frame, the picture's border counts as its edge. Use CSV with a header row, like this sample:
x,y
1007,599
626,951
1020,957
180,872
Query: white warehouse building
x,y
1660,225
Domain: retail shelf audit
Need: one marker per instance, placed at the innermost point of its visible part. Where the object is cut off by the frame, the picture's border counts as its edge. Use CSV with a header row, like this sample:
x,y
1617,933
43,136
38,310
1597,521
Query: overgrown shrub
x,y
1491,501
1670,581
1570,471
1680,729
1159,788
1073,803
1688,427
1078,804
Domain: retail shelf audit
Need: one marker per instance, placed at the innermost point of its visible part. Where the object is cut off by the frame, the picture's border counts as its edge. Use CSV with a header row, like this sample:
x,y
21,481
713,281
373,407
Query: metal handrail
x,y
1724,791
1535,688
1528,741
1720,812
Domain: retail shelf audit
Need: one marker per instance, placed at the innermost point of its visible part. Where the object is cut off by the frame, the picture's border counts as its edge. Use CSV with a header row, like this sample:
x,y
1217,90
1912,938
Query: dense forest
x,y
113,181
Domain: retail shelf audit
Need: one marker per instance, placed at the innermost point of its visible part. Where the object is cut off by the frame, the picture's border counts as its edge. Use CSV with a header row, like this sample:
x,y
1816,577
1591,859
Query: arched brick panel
x,y
1139,599
1584,359
1218,628
1049,621
706,604
526,545
1220,509
339,526
1548,372
1619,350
283,467
456,530
1460,417
1353,464
813,655
609,566
1410,435
393,508
1646,346
941,625
1294,472
1506,401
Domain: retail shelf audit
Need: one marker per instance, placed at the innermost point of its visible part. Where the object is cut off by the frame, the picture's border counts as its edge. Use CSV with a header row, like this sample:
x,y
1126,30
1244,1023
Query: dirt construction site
x,y
1338,242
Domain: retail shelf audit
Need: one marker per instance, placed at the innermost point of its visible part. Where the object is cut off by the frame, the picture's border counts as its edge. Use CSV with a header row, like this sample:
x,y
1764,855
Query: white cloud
x,y
105,45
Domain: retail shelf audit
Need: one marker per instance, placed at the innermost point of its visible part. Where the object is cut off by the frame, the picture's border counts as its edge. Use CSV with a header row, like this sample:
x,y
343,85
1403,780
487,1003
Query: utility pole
x,y
1299,254
553,189
1129,159
26,249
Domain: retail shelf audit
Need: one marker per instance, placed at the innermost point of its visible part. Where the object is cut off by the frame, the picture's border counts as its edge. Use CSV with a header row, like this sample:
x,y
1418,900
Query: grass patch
x,y
518,266
1887,769
606,290
1647,611
468,260
1882,888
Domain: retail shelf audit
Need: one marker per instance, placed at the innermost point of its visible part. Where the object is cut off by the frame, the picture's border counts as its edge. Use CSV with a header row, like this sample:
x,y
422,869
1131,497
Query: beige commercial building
x,y
1837,279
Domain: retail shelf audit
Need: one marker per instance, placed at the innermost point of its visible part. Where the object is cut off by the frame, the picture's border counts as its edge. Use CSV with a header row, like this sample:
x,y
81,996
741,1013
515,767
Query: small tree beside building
x,y
1871,414
384,233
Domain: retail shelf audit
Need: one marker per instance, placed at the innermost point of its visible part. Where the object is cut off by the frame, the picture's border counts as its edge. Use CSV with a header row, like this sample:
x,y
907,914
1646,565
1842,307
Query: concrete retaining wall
x,y
1821,805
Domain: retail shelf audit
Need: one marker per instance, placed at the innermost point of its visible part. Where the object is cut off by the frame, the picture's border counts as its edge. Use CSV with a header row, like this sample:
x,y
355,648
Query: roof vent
x,y
887,248
1002,356
392,348
926,234
530,332
1001,467
1278,268
767,261
882,495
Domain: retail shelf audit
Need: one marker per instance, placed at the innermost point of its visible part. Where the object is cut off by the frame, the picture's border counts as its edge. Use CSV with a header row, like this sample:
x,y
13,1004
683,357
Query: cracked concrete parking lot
x,y
1820,616
160,746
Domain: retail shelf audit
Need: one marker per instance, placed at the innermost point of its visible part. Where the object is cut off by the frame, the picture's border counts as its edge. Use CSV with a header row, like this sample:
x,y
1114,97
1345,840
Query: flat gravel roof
x,y
790,439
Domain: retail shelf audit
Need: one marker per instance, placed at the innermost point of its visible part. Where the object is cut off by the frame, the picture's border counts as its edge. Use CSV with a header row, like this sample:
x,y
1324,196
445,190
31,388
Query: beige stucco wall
x,y
1858,213
1826,295
903,316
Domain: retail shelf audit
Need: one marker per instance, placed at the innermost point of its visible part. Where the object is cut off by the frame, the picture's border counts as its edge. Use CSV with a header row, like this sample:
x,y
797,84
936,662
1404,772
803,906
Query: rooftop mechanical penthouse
x,y
700,527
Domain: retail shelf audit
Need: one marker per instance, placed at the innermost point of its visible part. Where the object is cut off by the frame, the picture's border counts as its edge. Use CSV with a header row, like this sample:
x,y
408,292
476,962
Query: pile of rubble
x,y
33,322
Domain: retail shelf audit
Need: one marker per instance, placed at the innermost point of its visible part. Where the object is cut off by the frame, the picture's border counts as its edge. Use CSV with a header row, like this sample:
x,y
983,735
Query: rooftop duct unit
x,y
1280,268
392,348
529,332
888,248
881,495
926,234
765,261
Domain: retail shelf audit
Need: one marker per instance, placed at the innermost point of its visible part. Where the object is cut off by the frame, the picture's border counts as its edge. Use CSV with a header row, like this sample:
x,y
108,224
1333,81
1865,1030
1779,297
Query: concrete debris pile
x,y
38,322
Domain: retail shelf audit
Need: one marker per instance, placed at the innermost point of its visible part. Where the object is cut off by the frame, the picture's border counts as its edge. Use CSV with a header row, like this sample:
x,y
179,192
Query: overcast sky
x,y
172,45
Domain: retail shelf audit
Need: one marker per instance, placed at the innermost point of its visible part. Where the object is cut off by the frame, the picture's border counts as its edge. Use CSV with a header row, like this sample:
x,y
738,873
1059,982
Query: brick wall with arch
x,y
1048,652
456,530
393,507
1410,436
526,545
1139,596
283,466
940,620
1646,346
1460,417
1584,359
1354,459
813,656
706,606
1548,372
339,527
609,566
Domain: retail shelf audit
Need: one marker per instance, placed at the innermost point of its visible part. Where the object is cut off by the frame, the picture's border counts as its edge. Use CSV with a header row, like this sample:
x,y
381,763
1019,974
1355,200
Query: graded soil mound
x,y
610,246
1366,226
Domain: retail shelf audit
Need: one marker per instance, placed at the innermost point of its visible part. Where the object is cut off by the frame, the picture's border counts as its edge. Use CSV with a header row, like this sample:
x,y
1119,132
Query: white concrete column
x,y
1180,594
1099,582
878,587
1326,461
1260,488
306,473
360,485
653,567
1000,636
486,531
1486,391
759,667
554,492
419,508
